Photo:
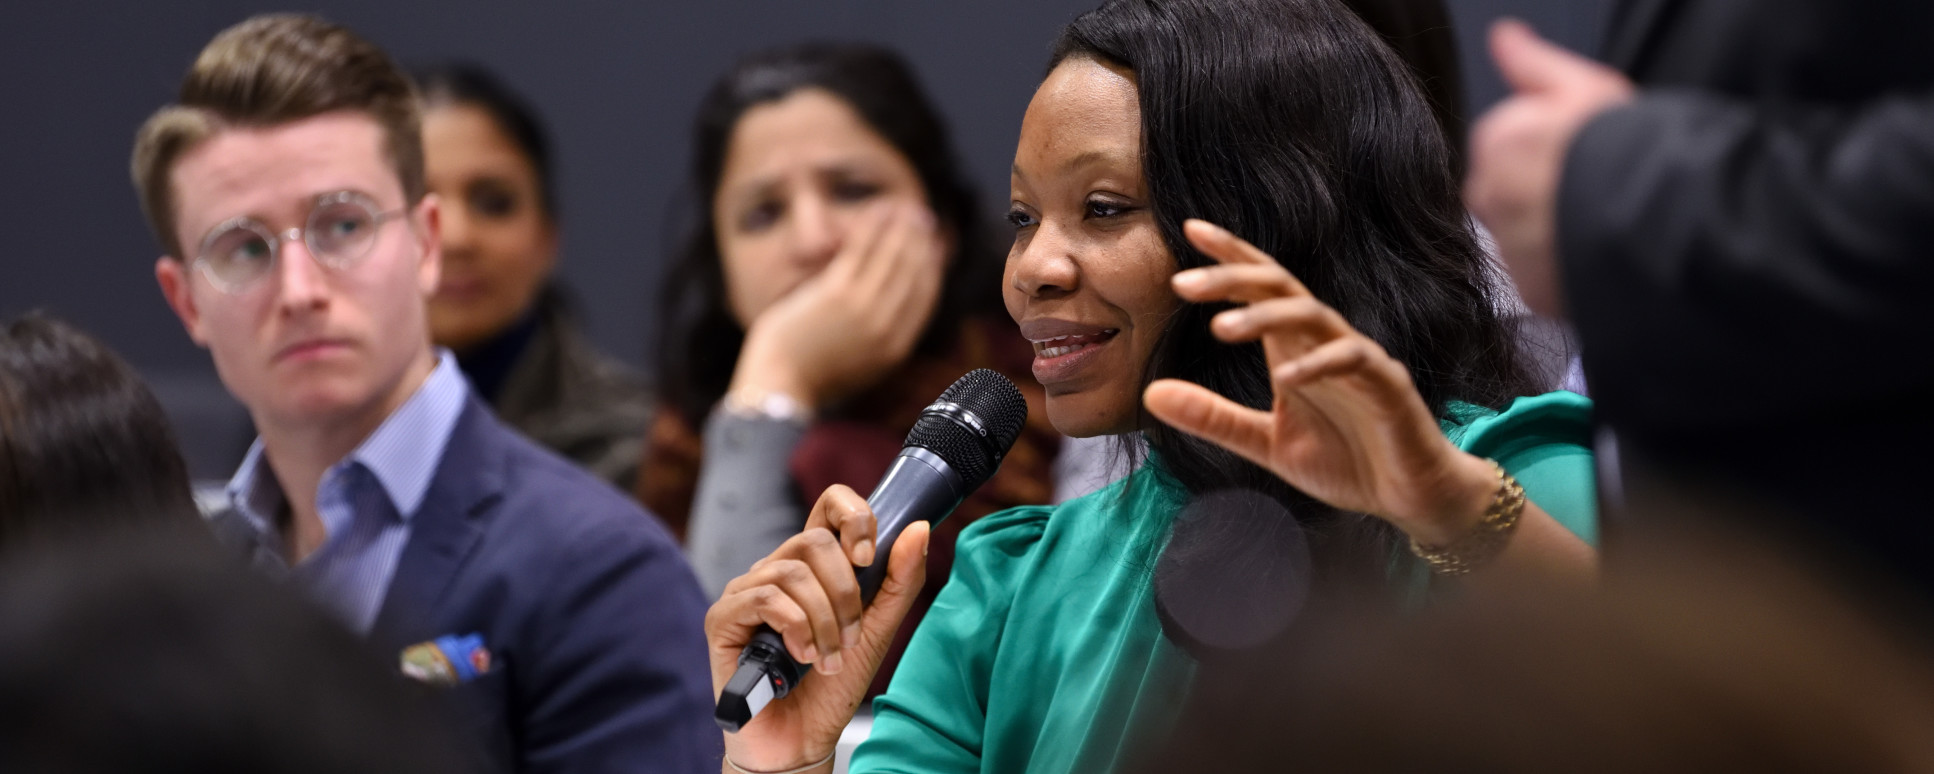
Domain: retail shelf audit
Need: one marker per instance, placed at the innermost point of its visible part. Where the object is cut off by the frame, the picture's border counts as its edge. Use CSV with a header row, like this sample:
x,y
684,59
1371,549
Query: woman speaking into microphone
x,y
1236,233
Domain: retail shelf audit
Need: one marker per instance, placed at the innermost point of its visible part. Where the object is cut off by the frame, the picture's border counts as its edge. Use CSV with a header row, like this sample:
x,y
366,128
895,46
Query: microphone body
x,y
922,484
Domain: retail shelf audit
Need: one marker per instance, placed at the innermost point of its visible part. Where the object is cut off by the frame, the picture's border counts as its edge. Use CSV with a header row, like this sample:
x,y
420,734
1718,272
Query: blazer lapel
x,y
446,529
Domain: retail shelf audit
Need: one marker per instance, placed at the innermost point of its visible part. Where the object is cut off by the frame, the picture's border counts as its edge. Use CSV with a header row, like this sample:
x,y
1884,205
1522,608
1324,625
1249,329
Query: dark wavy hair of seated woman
x,y
83,443
1364,211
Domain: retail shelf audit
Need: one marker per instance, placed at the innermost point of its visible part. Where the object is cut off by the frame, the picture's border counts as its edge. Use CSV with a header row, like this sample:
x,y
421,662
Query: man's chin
x,y
310,403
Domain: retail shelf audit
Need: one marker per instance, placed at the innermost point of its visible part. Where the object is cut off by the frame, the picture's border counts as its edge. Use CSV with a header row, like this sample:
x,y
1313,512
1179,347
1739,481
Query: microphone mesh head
x,y
999,407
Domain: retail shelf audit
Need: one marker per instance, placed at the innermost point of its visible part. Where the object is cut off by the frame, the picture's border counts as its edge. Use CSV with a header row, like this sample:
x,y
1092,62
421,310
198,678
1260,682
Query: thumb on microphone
x,y
1530,63
906,574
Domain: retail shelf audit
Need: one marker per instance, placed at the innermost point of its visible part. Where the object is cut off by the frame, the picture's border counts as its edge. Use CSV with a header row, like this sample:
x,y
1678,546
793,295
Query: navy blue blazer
x,y
593,620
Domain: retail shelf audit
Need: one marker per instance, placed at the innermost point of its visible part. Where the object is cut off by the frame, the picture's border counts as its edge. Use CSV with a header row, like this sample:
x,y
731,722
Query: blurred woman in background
x,y
84,445
498,305
837,281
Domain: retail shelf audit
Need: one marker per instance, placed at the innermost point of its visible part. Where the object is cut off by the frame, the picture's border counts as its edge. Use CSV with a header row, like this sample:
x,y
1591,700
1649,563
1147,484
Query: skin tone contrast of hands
x,y
1518,152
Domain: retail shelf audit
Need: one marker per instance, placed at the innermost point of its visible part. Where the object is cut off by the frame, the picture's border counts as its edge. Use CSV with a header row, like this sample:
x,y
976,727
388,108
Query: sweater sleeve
x,y
744,506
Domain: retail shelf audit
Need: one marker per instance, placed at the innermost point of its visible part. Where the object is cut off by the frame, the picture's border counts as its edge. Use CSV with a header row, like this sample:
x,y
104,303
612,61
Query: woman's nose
x,y
816,232
1045,266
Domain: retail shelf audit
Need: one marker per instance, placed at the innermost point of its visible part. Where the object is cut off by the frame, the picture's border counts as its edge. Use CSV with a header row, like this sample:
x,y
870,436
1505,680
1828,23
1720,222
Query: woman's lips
x,y
459,290
1060,358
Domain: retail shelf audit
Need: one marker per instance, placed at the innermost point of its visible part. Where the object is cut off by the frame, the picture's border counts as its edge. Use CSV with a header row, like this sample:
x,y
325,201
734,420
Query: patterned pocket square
x,y
448,660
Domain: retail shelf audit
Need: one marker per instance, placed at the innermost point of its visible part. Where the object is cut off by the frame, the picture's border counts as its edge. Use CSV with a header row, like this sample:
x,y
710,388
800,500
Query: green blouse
x,y
1043,652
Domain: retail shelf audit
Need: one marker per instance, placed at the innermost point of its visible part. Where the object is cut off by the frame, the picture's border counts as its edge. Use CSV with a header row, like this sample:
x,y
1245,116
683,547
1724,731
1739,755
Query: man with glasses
x,y
287,185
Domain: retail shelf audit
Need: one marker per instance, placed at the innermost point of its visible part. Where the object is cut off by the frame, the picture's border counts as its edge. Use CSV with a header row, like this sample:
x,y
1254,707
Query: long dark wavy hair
x,y
700,339
1291,124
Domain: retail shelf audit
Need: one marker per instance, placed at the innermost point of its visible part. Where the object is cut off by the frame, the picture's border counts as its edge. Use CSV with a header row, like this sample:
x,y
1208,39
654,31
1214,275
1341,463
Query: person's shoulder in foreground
x,y
590,653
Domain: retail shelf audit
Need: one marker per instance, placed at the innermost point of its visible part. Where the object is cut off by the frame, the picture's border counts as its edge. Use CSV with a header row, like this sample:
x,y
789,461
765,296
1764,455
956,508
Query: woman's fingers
x,y
846,514
1216,242
1303,319
1241,283
833,572
903,302
856,253
1336,358
1384,380
781,594
1199,411
821,605
887,262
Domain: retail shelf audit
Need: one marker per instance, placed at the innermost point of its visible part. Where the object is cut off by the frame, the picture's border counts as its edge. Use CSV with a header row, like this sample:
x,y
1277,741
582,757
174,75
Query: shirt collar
x,y
402,454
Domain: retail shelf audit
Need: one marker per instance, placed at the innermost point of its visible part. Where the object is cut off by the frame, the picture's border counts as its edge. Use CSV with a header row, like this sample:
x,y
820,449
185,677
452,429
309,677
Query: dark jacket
x,y
1748,256
592,619
572,399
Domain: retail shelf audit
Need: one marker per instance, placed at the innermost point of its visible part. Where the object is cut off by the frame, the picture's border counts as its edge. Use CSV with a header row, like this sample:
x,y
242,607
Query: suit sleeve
x,y
1708,245
616,679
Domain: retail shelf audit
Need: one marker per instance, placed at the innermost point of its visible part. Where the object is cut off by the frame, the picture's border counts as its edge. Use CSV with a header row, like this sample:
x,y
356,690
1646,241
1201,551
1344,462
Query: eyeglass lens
x,y
338,233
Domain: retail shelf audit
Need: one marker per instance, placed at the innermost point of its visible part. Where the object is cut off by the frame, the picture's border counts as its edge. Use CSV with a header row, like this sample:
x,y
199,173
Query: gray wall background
x,y
617,83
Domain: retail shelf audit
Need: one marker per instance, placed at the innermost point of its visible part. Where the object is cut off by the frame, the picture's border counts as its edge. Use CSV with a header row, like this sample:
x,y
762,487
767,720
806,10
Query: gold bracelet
x,y
1486,540
805,768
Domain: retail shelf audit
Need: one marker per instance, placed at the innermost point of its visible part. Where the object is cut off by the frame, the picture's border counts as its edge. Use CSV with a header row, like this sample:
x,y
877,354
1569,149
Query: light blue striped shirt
x,y
365,501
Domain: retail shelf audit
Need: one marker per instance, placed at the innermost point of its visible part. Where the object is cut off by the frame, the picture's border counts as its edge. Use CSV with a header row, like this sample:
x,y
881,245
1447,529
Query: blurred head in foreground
x,y
83,443
1697,655
131,653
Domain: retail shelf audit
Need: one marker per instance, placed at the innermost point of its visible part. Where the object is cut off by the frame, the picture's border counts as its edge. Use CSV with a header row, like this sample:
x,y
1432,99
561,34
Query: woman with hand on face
x,y
839,280
487,158
1335,349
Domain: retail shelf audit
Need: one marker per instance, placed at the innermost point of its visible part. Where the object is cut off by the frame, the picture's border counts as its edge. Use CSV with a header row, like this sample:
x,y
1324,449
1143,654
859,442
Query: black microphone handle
x,y
919,486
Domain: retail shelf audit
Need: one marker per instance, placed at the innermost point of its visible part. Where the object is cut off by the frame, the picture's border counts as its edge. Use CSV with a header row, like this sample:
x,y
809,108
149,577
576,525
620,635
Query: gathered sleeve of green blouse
x,y
1545,442
955,652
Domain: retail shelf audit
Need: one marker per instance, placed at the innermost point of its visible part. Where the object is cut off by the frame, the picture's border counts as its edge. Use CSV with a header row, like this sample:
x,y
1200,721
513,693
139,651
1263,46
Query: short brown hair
x,y
269,70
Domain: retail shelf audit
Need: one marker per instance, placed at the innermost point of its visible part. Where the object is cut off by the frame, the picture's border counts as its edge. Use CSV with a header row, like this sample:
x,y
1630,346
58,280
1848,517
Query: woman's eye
x,y
1098,208
493,204
854,192
1019,218
759,217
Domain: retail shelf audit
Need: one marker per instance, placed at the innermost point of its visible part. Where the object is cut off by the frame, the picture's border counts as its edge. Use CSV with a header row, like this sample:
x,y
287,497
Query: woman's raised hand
x,y
806,590
1347,426
854,321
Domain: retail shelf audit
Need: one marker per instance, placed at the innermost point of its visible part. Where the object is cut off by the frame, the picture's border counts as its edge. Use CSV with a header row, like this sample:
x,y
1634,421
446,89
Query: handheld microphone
x,y
954,447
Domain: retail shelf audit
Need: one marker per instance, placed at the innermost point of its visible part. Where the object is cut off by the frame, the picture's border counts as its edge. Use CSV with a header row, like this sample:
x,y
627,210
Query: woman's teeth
x,y
1056,347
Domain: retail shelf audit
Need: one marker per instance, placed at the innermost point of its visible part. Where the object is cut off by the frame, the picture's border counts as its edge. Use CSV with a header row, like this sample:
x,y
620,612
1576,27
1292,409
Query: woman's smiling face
x,y
1088,276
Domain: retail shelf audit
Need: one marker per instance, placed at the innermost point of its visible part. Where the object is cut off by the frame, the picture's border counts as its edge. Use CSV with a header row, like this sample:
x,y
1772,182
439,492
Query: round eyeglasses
x,y
340,231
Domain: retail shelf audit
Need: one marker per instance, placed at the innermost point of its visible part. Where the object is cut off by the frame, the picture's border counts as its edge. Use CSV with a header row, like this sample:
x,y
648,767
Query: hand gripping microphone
x,y
956,445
